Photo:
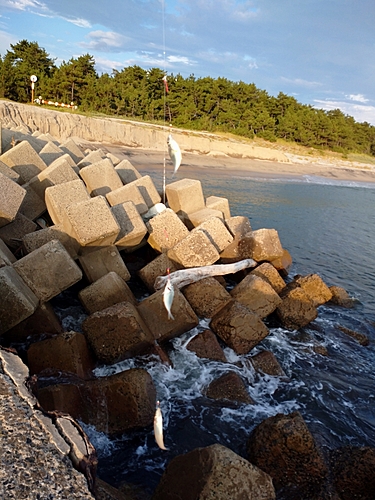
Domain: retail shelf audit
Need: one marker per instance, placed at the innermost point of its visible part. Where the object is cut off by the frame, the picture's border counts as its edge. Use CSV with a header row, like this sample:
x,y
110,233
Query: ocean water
x,y
329,229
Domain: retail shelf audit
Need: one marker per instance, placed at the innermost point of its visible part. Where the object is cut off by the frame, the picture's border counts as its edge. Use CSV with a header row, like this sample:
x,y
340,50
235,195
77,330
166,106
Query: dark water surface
x,y
329,230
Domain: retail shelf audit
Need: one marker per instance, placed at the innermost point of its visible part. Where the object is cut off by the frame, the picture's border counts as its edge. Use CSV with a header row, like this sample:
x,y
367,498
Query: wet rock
x,y
353,472
315,288
340,297
206,297
297,309
117,333
256,294
238,327
115,404
266,362
229,386
68,352
361,338
206,345
270,274
284,448
213,472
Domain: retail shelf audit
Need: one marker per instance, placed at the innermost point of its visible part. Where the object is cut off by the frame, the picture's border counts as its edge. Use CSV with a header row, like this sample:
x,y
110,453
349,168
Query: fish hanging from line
x,y
158,427
168,295
174,153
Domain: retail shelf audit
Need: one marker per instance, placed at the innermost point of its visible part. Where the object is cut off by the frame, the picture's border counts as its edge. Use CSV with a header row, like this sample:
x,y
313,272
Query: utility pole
x,y
33,79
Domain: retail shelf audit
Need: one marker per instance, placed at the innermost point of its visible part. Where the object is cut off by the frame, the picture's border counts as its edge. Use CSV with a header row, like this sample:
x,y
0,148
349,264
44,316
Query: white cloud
x,y
301,82
5,40
23,4
357,97
104,40
81,23
180,59
359,112
107,65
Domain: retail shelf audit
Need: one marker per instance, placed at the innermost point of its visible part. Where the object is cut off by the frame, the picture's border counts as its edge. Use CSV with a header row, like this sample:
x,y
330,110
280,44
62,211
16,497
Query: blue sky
x,y
322,52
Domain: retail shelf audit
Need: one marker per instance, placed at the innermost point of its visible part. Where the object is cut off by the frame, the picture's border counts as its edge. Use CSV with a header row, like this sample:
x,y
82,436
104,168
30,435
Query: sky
x,y
322,52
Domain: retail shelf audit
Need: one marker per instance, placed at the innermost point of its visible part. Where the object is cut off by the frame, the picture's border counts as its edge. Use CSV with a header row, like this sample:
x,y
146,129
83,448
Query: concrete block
x,y
217,232
127,172
58,198
185,196
36,239
13,233
9,172
99,261
261,245
91,222
132,228
196,218
101,177
148,190
117,333
11,198
283,263
6,254
105,292
238,226
130,192
48,271
50,152
90,158
72,149
57,172
206,297
114,159
33,205
270,274
155,268
17,300
219,203
166,230
195,250
24,160
153,312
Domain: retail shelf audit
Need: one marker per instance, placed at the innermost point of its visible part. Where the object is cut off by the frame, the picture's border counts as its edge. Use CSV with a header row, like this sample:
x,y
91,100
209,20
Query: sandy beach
x,y
297,168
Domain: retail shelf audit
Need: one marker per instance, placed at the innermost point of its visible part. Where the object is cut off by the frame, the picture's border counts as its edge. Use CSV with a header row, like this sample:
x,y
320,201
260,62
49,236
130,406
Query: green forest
x,y
215,105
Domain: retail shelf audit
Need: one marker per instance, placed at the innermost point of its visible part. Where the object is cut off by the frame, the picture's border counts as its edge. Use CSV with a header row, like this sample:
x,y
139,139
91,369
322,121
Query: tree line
x,y
195,103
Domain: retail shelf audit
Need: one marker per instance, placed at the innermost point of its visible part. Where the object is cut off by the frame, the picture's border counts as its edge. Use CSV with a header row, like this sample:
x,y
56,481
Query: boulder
x,y
238,327
155,315
315,288
361,338
206,345
213,472
114,405
340,297
270,274
296,309
117,333
195,250
266,362
352,469
256,294
166,230
283,447
206,296
229,386
67,352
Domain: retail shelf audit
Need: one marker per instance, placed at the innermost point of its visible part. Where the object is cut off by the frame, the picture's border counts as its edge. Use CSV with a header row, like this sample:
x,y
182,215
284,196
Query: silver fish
x,y
174,153
168,295
158,427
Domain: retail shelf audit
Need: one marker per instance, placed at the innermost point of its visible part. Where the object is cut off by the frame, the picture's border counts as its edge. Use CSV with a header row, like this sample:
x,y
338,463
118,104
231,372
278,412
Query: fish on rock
x,y
158,427
168,295
174,153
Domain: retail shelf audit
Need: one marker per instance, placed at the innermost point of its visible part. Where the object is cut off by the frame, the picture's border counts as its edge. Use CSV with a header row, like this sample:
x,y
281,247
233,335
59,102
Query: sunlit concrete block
x,y
133,229
24,160
101,177
185,196
58,198
11,198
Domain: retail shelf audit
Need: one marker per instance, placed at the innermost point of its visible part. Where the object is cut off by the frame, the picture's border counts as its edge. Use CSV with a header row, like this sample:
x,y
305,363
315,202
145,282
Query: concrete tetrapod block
x,y
17,300
130,192
105,292
297,309
269,273
97,262
101,177
127,172
114,159
256,294
147,189
91,223
70,147
262,244
132,228
166,230
9,172
283,263
48,271
50,152
197,218
217,232
58,198
13,233
6,254
24,160
153,312
185,196
36,239
219,203
11,198
238,327
238,226
90,158
33,205
195,250
206,297
117,332
56,173
155,268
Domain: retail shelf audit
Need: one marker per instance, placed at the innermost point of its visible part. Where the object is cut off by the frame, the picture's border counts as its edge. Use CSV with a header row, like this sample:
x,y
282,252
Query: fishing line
x,y
165,97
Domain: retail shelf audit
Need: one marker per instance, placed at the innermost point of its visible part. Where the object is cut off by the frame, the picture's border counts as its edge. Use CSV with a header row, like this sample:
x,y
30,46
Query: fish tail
x,y
170,315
